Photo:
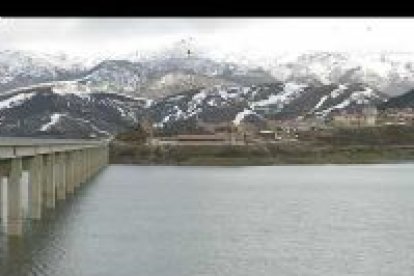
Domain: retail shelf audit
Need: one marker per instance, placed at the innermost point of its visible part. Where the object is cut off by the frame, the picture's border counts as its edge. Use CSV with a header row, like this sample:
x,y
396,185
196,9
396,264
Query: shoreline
x,y
270,165
260,155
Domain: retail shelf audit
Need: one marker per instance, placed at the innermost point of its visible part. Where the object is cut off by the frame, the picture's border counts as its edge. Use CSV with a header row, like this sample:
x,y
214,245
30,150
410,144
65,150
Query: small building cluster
x,y
287,130
195,139
397,116
358,117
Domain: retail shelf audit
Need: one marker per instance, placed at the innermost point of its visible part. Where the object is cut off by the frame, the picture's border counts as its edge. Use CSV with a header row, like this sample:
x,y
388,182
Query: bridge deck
x,y
12,147
55,167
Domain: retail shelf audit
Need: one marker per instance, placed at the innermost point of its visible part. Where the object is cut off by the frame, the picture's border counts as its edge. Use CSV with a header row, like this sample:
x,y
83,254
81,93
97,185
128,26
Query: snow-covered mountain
x,y
276,100
59,95
63,109
185,65
159,74
389,72
21,68
56,111
163,77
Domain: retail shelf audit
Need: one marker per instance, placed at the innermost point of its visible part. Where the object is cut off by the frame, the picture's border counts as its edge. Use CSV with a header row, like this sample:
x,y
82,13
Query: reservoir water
x,y
186,221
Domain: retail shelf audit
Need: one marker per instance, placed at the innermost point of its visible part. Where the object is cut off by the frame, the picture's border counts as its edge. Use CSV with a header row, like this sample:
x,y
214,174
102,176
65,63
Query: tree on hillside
x,y
138,134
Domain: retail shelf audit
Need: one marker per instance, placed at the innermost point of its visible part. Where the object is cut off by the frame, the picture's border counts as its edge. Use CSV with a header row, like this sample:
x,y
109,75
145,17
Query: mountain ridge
x,y
112,95
392,73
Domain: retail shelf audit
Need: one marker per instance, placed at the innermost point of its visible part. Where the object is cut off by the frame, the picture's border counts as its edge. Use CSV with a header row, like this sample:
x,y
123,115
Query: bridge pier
x,y
14,208
4,173
34,167
61,176
50,181
54,169
84,166
79,168
70,173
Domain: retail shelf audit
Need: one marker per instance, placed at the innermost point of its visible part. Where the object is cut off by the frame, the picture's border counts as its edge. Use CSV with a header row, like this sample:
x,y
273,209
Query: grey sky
x,y
118,35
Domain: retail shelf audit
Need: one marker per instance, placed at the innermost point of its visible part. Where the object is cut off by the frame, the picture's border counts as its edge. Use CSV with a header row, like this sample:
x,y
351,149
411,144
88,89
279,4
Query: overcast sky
x,y
83,36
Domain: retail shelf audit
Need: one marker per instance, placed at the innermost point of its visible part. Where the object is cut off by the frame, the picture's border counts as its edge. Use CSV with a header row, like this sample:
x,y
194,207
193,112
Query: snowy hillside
x,y
164,77
274,100
391,73
68,109
44,94
20,69
53,111
168,70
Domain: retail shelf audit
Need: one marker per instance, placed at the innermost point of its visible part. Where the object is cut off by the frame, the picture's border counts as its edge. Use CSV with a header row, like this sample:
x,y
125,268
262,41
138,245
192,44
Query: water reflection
x,y
186,221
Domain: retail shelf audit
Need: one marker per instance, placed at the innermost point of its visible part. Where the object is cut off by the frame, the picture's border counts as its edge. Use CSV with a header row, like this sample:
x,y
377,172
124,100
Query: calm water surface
x,y
179,221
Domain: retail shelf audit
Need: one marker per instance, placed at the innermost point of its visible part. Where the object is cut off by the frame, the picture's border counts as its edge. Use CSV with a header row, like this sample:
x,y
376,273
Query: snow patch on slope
x,y
367,93
320,103
199,97
336,92
89,123
148,102
54,118
290,92
71,87
341,105
16,100
240,116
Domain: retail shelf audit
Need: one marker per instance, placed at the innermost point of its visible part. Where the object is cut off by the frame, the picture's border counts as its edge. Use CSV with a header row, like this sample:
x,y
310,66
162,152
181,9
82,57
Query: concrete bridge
x,y
50,168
